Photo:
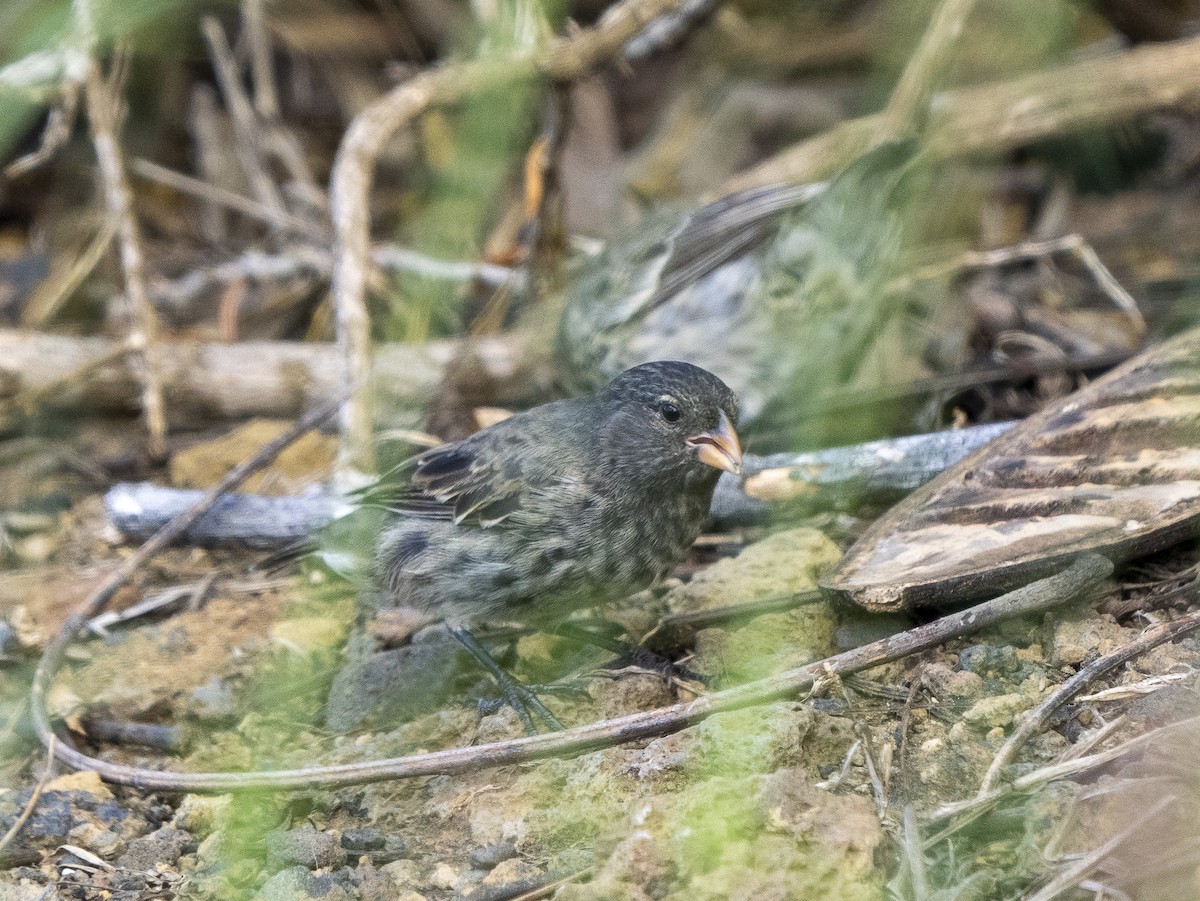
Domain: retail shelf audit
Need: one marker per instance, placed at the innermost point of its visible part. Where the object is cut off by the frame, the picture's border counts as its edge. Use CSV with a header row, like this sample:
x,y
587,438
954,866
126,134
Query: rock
x,y
310,634
100,841
305,462
306,847
510,877
500,726
640,861
1079,639
391,686
444,876
163,846
60,812
81,781
202,814
629,694
998,710
946,682
743,741
991,661
404,874
362,840
292,884
213,702
784,563
488,856
297,884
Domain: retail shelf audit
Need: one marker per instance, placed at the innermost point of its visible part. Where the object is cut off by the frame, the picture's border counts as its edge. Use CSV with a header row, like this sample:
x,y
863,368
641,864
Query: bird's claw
x,y
525,702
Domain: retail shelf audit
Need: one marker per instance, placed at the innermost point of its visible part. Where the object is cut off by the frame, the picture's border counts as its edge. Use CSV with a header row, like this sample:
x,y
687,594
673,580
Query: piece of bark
x,y
878,469
204,380
1112,469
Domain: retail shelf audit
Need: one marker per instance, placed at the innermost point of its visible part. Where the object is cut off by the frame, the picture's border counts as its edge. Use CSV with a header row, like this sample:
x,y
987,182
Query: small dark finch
x,y
571,504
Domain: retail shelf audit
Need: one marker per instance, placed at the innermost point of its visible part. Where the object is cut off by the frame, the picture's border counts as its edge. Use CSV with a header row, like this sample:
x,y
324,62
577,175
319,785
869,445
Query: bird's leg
x,y
517,696
634,653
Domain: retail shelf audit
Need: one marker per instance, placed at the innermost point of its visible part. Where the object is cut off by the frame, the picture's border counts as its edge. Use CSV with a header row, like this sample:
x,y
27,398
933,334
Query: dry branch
x,y
213,380
997,117
906,110
1080,578
104,117
1152,637
881,468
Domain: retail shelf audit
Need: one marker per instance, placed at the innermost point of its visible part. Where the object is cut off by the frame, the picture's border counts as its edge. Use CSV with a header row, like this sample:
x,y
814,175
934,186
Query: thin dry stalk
x,y
1074,874
907,108
53,654
213,194
246,127
54,135
914,854
963,813
353,173
997,117
1072,244
277,139
19,823
1076,581
1040,715
104,117
61,283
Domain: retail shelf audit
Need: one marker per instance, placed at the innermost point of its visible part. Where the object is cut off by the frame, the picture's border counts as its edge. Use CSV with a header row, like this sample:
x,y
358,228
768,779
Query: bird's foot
x,y
524,700
514,694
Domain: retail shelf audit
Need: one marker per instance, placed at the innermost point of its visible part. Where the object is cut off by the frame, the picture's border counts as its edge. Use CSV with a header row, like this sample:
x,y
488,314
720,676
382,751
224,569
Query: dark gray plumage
x,y
571,504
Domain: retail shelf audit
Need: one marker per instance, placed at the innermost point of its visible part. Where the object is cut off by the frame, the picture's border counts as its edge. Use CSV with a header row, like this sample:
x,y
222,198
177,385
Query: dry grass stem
x,y
104,118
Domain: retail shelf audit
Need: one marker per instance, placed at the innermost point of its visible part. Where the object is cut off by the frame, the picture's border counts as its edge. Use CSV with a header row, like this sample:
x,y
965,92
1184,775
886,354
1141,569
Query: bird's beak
x,y
719,448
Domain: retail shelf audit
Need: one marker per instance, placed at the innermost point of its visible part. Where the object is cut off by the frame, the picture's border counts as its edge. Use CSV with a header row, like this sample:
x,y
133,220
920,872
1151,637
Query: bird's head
x,y
675,415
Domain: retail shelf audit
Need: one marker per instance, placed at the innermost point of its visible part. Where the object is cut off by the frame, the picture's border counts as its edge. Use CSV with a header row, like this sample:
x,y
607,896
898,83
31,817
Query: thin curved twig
x,y
31,804
52,655
1070,584
1152,637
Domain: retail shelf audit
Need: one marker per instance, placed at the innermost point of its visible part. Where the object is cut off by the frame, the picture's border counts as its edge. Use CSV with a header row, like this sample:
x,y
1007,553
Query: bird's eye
x,y
668,411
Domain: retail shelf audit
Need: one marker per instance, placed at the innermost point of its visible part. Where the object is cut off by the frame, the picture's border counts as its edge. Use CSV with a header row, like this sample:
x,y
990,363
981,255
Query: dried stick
x,y
1003,115
196,187
278,140
27,401
250,378
906,109
60,285
245,126
967,811
1072,875
20,821
54,135
1032,250
353,172
52,655
104,118
1036,719
1074,582
880,468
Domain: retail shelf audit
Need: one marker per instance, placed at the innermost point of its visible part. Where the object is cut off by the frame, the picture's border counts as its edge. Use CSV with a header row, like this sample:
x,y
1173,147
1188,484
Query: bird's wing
x,y
724,230
481,480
